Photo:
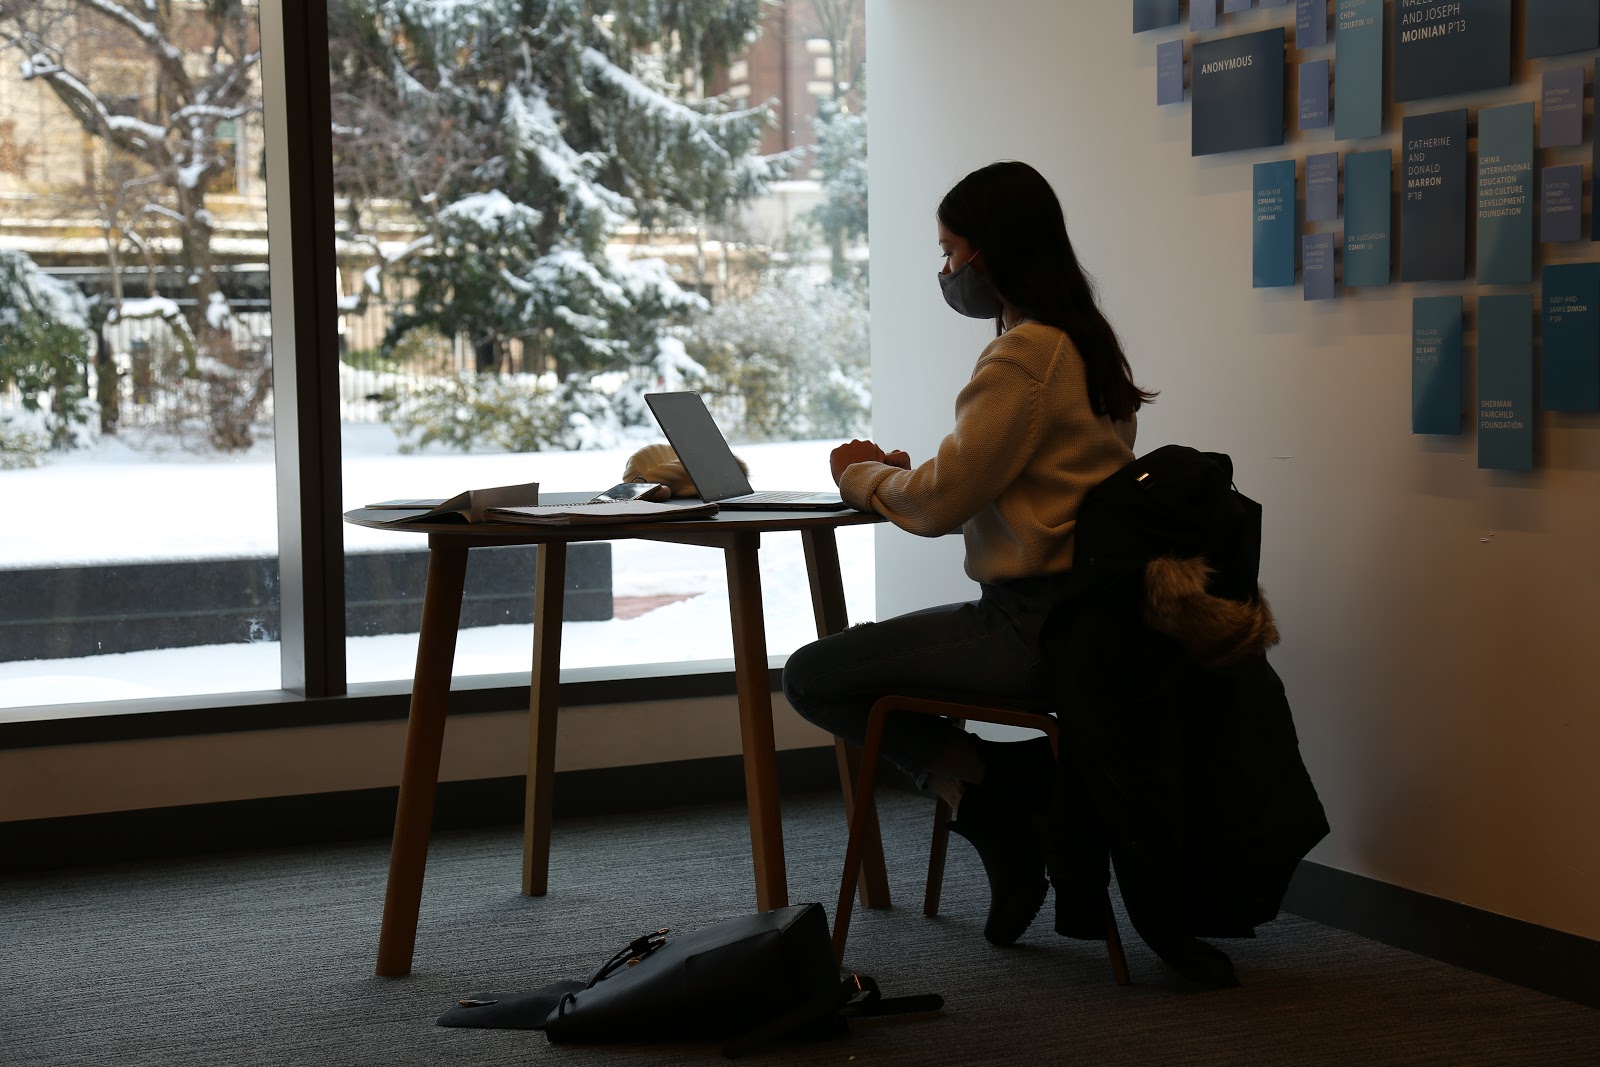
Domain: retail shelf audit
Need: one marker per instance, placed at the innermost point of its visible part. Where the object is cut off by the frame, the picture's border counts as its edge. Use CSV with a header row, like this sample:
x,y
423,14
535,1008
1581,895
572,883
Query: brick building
x,y
797,63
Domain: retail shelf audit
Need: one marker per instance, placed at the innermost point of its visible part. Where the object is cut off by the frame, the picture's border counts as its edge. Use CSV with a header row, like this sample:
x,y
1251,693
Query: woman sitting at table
x,y
1048,413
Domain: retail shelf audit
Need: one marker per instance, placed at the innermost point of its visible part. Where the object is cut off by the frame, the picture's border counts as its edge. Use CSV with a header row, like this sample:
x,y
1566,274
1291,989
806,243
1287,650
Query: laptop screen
x,y
699,444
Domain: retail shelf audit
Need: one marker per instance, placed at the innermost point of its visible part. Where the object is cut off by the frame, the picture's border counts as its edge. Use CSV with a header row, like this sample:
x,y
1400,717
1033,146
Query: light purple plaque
x,y
1310,23
1202,15
1322,187
1169,72
1561,109
1314,95
1561,202
1316,264
1230,6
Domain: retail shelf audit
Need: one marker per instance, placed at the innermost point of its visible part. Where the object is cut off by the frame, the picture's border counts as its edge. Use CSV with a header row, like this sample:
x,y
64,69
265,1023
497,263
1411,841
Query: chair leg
x,y
1119,962
936,855
937,847
936,851
859,817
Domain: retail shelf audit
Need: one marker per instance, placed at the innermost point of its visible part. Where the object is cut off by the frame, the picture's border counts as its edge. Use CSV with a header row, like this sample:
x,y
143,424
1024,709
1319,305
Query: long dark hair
x,y
1008,212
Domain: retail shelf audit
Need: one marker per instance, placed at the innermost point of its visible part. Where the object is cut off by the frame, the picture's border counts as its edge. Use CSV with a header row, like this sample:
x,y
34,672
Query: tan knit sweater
x,y
1025,450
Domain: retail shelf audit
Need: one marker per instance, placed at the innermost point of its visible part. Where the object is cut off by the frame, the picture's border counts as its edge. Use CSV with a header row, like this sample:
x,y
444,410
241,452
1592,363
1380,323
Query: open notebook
x,y
520,504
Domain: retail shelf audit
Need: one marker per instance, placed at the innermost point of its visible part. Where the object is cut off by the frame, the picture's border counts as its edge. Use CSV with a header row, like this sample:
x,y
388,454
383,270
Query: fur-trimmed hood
x,y
1214,630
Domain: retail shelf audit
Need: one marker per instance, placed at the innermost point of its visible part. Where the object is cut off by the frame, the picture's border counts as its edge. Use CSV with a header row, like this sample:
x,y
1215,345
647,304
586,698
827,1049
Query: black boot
x,y
1203,965
1081,913
1003,817
1079,864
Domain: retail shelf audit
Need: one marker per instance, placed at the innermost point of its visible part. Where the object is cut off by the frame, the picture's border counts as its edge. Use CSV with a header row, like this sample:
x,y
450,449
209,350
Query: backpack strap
x,y
825,1014
631,953
873,1003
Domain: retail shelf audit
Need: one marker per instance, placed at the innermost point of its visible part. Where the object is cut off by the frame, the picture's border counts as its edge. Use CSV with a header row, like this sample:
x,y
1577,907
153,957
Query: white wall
x,y
1440,622
41,783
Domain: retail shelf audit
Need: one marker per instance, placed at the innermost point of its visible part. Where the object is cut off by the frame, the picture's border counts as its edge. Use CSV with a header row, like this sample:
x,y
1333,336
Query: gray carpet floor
x,y
267,957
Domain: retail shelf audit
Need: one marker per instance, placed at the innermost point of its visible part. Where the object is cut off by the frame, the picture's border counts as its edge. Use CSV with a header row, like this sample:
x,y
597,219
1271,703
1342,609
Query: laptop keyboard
x,y
775,497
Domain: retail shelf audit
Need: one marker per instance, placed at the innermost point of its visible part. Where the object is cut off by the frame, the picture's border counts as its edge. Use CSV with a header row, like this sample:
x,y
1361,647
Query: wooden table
x,y
738,535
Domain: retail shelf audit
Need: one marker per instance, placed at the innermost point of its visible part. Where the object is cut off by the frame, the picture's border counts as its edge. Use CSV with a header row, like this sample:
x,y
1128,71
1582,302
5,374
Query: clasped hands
x,y
864,452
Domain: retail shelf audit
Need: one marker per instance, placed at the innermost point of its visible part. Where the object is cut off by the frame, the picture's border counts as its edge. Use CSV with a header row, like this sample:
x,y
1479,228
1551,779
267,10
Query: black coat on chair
x,y
1179,759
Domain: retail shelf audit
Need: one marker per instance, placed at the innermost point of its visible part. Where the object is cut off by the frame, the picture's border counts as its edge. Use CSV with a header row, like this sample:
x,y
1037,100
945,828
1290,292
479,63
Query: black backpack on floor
x,y
750,981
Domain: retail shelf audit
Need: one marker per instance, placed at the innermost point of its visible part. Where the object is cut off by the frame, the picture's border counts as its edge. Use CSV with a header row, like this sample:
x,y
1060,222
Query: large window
x,y
541,212
572,211
135,363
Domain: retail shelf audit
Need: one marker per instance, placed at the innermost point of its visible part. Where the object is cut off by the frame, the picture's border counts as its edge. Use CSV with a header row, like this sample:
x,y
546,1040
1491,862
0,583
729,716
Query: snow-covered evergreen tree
x,y
45,345
790,360
841,129
842,167
526,134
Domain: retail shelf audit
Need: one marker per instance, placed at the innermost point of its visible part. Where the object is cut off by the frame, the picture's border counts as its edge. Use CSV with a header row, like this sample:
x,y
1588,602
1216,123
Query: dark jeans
x,y
985,648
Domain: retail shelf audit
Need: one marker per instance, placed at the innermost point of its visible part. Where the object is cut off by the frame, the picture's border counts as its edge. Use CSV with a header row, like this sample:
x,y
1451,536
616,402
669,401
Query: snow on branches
x,y
172,134
525,135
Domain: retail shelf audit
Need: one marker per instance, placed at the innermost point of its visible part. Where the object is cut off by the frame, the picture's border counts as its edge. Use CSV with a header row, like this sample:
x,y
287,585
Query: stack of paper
x,y
596,512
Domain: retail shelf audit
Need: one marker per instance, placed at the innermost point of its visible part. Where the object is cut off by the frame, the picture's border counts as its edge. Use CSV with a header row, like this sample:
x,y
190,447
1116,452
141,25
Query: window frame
x,y
387,701
298,141
297,113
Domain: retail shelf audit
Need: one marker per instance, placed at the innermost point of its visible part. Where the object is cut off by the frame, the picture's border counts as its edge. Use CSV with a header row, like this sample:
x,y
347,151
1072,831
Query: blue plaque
x,y
1569,370
1273,3
1505,194
1594,168
1235,5
1316,263
1358,49
1561,108
1433,202
1366,218
1310,23
1314,95
1555,27
1273,228
1322,187
1561,201
1443,47
1236,86
1505,382
1202,14
1436,364
1169,72
1154,14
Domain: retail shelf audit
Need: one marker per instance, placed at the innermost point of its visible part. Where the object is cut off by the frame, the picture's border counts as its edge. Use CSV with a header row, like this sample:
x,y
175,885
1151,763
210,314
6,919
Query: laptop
x,y
709,461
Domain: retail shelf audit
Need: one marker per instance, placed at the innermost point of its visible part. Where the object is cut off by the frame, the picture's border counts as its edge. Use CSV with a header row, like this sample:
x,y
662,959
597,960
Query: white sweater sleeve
x,y
997,431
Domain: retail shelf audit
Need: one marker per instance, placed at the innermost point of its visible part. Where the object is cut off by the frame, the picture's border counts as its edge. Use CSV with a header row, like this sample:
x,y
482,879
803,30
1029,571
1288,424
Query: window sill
x,y
70,724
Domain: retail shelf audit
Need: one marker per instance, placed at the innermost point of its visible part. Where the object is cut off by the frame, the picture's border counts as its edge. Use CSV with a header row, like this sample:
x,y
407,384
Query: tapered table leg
x,y
755,721
827,602
419,774
550,586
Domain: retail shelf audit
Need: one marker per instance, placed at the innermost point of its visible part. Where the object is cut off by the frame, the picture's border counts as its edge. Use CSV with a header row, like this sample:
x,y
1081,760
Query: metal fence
x,y
366,378
153,390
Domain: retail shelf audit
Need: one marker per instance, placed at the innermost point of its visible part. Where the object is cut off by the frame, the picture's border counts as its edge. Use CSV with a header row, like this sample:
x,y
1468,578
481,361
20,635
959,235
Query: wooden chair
x,y
862,810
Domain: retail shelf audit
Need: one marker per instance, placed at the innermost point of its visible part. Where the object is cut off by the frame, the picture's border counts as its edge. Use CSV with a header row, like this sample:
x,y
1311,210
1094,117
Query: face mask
x,y
969,293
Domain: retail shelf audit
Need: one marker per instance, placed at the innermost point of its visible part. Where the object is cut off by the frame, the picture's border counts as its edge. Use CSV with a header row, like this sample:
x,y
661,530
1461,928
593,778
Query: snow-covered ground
x,y
114,504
